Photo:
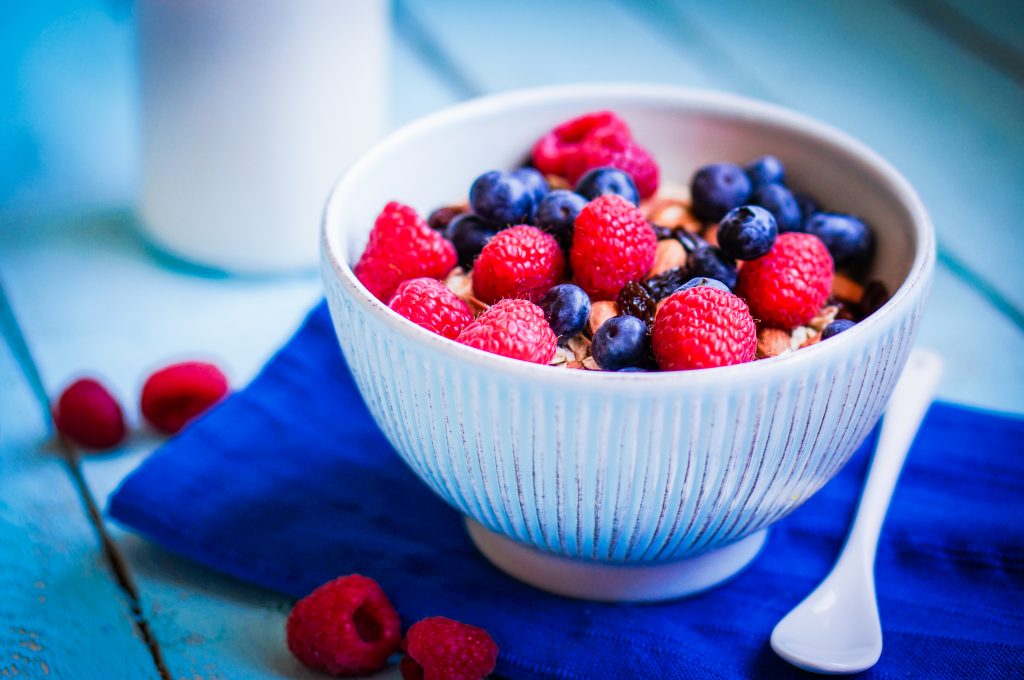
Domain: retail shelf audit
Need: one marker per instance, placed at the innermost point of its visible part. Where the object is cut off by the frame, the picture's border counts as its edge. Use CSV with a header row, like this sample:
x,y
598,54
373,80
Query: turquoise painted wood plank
x,y
62,614
949,122
1002,19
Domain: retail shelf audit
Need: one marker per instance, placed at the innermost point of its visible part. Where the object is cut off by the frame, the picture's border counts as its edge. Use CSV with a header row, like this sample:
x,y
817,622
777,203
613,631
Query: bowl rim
x,y
712,102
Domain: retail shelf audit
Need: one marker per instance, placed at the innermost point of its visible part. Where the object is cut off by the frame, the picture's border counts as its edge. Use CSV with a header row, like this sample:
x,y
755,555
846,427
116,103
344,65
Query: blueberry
x,y
847,238
607,180
691,242
764,171
716,189
619,343
836,327
704,281
534,181
469,234
808,206
780,202
557,213
712,263
567,309
747,232
501,198
634,369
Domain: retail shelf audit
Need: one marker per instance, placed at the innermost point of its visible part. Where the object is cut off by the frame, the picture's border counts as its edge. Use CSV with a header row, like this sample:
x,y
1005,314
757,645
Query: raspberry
x,y
345,627
612,244
174,395
520,262
432,305
438,648
788,286
87,414
703,327
402,247
610,148
551,151
512,328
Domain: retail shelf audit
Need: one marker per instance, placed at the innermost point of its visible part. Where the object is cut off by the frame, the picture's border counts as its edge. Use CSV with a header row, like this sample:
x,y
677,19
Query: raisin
x,y
666,283
440,218
634,300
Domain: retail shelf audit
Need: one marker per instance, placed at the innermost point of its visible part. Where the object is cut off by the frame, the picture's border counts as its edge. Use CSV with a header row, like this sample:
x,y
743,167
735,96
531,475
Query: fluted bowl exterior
x,y
630,467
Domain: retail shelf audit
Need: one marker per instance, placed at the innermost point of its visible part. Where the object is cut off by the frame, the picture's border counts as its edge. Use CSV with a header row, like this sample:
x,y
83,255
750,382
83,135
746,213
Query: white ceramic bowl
x,y
677,473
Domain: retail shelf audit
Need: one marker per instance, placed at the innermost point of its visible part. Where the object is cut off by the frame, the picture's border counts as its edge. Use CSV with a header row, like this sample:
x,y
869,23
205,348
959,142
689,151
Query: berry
x,y
512,328
520,262
557,214
606,148
713,263
612,244
89,415
836,327
703,327
847,238
534,182
432,305
345,627
402,246
173,396
469,234
634,300
501,198
567,309
788,286
808,206
553,149
764,171
438,648
718,188
620,342
607,180
440,219
691,242
747,232
665,283
780,202
704,281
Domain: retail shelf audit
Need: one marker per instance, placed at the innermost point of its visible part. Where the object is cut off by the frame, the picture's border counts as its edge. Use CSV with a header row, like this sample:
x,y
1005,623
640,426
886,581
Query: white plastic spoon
x,y
836,628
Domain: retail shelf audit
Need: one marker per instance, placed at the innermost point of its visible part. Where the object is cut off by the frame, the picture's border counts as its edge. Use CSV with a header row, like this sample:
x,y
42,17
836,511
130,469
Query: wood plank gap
x,y
15,339
968,35
415,33
677,27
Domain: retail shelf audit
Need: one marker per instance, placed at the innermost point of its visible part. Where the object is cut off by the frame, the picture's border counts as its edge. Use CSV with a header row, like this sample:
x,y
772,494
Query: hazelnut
x,y
771,342
601,311
669,255
846,289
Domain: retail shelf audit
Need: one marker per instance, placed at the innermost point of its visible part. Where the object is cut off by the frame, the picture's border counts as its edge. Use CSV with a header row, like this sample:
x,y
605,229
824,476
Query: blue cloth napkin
x,y
289,483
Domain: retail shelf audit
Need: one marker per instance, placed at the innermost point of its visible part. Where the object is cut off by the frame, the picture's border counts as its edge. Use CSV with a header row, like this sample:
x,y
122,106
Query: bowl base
x,y
606,582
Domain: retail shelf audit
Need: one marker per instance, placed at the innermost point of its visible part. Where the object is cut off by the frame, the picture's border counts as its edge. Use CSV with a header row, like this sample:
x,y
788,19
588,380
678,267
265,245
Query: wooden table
x,y
936,87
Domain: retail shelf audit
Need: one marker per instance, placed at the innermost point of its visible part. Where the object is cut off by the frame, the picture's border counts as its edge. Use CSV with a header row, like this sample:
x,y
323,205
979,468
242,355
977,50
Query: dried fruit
x,y
440,218
634,300
666,283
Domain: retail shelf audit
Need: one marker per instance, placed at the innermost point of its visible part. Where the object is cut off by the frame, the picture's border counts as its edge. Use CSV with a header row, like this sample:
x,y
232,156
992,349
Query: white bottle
x,y
250,111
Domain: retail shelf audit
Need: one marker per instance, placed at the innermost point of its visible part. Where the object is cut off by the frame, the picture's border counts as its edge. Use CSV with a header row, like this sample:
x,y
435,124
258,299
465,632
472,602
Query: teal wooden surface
x,y
90,297
62,613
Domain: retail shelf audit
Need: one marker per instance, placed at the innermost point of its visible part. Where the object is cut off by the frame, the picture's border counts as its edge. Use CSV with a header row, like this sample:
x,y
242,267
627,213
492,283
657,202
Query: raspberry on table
x,y
346,627
788,286
703,327
87,414
612,244
439,648
551,151
402,246
174,395
613,149
520,262
513,328
431,304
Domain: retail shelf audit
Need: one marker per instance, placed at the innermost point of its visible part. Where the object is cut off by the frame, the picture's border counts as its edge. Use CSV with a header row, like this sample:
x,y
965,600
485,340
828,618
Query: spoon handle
x,y
907,407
